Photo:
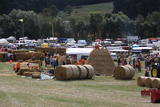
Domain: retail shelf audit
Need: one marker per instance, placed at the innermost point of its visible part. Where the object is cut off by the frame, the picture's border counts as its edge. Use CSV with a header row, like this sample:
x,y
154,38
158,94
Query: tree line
x,y
133,8
98,25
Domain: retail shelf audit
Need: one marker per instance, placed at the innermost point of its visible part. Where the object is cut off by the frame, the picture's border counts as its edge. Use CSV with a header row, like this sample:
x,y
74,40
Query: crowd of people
x,y
140,61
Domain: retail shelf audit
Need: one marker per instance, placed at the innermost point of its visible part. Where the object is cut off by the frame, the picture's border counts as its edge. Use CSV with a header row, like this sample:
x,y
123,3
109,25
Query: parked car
x,y
81,43
70,42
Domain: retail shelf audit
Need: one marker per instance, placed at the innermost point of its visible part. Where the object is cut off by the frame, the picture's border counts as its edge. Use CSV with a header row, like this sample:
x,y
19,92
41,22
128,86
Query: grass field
x,y
84,11
16,91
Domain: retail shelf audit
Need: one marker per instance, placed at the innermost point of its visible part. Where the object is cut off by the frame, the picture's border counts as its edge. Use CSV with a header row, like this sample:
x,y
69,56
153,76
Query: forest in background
x,y
67,18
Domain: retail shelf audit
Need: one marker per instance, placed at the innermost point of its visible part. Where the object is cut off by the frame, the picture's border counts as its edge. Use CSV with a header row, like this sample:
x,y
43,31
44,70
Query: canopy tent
x,y
79,52
3,42
11,38
142,48
76,51
118,50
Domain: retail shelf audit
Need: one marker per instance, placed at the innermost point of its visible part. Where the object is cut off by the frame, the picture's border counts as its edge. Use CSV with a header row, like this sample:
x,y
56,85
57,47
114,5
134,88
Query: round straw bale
x,y
21,71
148,82
132,71
123,72
36,75
117,74
141,81
156,83
90,70
28,73
63,72
76,72
83,72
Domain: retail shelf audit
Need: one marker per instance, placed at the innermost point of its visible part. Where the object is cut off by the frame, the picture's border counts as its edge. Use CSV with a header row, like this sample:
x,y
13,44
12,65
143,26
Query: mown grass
x,y
82,13
86,10
102,91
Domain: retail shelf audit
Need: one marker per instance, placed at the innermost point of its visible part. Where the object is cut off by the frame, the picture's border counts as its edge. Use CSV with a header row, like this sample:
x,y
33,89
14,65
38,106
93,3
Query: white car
x,y
70,42
81,43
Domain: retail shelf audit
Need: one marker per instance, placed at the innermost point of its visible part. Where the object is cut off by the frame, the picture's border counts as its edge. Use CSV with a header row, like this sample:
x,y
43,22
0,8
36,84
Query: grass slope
x,y
100,92
84,11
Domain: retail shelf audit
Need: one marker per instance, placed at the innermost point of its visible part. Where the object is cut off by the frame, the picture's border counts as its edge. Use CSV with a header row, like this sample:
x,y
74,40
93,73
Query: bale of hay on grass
x,y
63,72
36,75
156,83
22,71
28,74
83,72
124,72
141,81
148,82
72,72
90,70
102,62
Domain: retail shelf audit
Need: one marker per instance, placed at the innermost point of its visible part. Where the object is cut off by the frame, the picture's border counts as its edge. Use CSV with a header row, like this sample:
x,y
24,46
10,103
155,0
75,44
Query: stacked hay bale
x,y
26,71
17,51
141,81
148,82
156,83
61,51
102,62
126,72
27,55
36,75
72,72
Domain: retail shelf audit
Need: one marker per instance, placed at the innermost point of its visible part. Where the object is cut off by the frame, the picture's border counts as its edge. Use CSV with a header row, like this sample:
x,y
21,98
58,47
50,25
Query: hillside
x,y
84,10
38,5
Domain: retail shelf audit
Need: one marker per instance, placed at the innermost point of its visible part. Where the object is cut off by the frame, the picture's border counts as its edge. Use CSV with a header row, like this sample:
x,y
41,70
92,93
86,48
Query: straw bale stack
x,y
22,71
28,74
63,72
90,71
61,51
124,72
17,51
36,75
76,72
141,81
27,55
83,72
71,72
156,83
102,62
148,82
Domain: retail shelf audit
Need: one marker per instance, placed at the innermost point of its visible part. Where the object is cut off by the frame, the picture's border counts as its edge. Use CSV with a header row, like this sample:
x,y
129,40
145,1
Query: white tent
x,y
79,52
142,48
3,42
11,38
75,51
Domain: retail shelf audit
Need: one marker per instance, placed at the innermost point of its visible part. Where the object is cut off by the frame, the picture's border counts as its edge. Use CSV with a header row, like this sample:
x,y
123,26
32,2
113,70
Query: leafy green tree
x,y
51,11
95,21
